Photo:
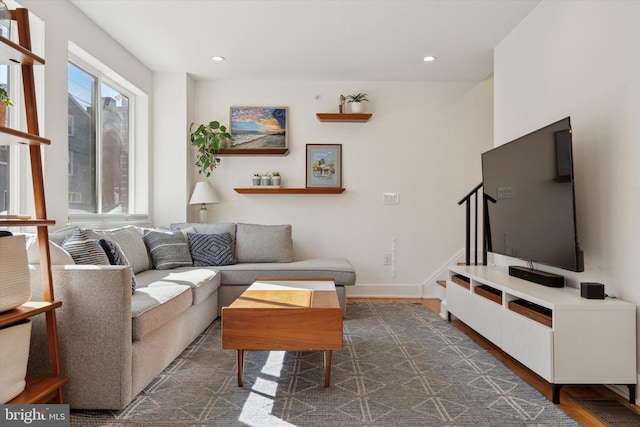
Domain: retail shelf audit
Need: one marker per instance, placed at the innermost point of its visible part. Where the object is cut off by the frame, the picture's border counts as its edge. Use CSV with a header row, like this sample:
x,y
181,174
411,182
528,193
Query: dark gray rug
x,y
401,366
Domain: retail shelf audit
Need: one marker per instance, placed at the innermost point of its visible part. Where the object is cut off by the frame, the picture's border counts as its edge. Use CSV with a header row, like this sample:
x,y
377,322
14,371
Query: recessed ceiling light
x,y
429,58
217,58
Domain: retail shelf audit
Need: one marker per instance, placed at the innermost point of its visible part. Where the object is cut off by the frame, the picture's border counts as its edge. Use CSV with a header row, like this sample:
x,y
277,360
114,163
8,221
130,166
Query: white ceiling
x,y
312,39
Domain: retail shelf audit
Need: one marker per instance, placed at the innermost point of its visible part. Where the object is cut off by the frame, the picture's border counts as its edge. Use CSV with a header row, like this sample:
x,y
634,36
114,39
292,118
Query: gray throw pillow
x,y
211,249
168,249
84,250
117,257
129,239
263,243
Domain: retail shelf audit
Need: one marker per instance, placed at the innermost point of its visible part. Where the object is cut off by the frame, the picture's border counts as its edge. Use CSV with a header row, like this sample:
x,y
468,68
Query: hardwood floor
x,y
567,393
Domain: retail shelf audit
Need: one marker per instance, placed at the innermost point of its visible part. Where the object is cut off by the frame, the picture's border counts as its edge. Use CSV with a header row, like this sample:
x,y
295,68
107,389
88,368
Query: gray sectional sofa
x,y
114,342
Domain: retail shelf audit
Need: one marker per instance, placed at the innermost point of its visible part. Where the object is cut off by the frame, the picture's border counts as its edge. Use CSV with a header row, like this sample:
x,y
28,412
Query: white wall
x,y
580,59
170,154
423,141
63,23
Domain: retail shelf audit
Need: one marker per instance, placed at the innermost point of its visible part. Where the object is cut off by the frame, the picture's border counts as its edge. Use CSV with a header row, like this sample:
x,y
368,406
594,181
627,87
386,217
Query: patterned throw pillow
x,y
211,249
168,249
117,257
84,250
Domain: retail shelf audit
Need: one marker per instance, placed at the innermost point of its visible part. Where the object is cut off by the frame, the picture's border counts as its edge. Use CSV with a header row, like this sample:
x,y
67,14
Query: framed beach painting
x,y
257,130
324,166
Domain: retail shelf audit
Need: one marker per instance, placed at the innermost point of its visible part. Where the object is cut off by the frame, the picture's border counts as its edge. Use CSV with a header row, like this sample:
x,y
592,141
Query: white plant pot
x,y
15,287
357,107
14,357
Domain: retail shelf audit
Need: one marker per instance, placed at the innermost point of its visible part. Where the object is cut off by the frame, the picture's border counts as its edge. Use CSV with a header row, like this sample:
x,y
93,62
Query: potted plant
x,y
208,140
275,179
5,101
356,101
266,179
256,179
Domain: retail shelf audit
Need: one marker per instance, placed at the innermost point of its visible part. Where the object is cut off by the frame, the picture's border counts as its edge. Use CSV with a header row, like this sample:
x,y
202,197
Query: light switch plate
x,y
390,198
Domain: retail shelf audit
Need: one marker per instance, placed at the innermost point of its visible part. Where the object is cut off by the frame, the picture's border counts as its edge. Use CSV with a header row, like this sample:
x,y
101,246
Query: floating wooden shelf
x,y
258,151
264,190
344,117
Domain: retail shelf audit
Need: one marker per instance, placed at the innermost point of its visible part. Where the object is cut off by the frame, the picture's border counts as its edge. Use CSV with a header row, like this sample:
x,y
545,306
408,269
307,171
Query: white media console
x,y
557,334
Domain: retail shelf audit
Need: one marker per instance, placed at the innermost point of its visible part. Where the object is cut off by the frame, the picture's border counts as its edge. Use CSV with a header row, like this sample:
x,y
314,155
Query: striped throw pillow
x,y
84,250
168,249
117,257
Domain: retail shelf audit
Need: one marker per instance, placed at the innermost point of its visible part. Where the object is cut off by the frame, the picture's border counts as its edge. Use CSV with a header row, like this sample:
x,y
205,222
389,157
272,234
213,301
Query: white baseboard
x,y
384,291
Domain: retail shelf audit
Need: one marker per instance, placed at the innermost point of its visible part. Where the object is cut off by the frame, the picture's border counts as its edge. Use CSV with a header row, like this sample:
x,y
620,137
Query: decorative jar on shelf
x,y
275,179
266,180
255,180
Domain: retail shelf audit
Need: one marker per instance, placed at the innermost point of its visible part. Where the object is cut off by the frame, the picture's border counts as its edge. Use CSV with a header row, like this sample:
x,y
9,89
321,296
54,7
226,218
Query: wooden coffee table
x,y
284,314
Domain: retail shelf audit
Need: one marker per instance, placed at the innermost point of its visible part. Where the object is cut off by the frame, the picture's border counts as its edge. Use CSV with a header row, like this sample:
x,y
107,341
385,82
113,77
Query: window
x,y
5,152
100,114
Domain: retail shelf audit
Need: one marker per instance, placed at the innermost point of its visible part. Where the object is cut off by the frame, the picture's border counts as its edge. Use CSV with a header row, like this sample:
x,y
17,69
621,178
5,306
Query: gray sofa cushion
x,y
219,228
168,249
339,269
58,236
130,241
263,243
211,249
152,307
203,281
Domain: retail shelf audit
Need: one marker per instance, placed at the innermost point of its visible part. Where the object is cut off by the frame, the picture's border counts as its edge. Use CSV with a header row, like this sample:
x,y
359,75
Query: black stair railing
x,y
486,235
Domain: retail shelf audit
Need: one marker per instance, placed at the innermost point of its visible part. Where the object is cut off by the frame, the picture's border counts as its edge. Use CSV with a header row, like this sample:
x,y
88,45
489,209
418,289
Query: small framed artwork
x,y
324,166
257,130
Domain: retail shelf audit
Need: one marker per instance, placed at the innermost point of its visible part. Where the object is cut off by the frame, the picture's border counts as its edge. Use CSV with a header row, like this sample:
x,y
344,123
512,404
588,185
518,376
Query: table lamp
x,y
203,193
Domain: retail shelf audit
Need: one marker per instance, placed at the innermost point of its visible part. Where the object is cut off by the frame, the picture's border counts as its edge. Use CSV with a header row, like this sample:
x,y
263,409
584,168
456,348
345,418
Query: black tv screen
x,y
529,187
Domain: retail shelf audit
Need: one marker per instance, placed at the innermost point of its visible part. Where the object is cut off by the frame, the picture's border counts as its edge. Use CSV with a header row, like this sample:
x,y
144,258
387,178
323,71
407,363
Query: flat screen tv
x,y
529,191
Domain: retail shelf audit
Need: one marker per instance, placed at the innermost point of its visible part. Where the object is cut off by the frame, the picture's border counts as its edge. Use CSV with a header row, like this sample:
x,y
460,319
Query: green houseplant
x,y
356,100
5,101
208,140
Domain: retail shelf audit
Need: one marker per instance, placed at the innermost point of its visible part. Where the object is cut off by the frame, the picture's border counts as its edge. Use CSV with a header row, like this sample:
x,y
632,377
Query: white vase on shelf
x,y
357,107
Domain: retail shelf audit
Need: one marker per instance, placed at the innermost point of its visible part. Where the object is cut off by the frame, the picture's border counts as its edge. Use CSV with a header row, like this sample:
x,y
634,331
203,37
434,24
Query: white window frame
x,y
138,212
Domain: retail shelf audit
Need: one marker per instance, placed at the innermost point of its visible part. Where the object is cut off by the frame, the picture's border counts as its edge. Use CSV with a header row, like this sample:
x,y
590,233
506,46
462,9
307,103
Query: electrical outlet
x,y
386,259
390,198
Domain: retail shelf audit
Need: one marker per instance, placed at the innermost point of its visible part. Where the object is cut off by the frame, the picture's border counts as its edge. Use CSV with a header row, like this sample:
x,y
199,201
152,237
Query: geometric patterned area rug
x,y
401,365
610,412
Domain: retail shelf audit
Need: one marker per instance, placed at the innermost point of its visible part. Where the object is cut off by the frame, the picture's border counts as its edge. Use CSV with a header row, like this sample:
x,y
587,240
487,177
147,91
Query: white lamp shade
x,y
203,193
